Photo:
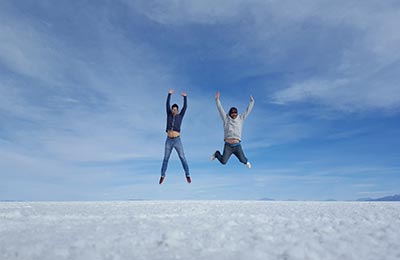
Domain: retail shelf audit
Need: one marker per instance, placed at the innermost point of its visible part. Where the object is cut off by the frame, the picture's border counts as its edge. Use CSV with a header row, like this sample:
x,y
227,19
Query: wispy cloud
x,y
177,12
365,73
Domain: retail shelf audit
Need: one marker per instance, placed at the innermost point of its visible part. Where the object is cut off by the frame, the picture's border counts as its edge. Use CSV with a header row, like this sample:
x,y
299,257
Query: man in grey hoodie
x,y
233,124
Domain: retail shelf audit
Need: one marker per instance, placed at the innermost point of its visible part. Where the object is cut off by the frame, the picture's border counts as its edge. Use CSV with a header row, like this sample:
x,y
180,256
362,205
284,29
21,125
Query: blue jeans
x,y
176,143
230,149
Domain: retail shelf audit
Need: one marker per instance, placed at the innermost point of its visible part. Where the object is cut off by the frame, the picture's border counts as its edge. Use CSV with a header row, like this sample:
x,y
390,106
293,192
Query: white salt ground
x,y
200,230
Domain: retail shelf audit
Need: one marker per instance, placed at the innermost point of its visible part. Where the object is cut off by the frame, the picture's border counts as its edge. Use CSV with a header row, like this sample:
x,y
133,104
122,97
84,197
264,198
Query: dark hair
x,y
175,105
233,109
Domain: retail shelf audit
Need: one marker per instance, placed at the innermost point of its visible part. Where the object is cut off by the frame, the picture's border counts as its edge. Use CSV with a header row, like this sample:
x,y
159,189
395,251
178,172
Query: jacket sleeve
x,y
168,103
248,110
221,110
184,106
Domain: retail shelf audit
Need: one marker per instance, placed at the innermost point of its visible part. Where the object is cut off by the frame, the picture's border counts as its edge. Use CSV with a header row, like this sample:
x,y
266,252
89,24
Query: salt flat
x,y
199,230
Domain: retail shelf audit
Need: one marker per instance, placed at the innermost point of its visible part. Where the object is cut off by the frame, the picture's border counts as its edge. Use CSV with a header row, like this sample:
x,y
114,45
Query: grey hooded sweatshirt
x,y
233,127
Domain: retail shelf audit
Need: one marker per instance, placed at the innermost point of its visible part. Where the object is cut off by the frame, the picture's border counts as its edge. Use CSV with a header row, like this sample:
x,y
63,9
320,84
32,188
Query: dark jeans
x,y
176,143
230,149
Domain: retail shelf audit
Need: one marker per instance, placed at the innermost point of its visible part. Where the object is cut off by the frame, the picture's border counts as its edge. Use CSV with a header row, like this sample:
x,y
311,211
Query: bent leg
x,y
225,156
240,154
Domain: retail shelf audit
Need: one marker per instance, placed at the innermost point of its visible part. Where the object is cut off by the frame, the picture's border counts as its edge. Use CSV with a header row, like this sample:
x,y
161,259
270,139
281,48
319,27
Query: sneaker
x,y
212,157
248,165
188,179
161,180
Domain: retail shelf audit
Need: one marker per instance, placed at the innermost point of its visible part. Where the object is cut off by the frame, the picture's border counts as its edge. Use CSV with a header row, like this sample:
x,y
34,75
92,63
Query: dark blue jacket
x,y
174,122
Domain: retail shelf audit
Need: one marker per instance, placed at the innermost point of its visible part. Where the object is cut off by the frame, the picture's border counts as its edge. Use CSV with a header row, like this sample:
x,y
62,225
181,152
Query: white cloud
x,y
345,95
309,90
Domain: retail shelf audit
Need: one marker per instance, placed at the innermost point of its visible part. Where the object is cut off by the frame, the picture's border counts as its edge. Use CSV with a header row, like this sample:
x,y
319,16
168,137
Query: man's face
x,y
175,111
233,114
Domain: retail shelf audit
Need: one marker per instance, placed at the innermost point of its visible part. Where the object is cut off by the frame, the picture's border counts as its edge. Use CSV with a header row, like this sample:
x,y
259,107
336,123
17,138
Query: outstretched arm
x,y
168,106
184,95
249,108
219,106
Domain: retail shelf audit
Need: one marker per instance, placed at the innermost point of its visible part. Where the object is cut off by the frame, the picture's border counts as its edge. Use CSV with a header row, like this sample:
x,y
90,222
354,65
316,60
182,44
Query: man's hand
x,y
251,98
171,91
217,95
184,94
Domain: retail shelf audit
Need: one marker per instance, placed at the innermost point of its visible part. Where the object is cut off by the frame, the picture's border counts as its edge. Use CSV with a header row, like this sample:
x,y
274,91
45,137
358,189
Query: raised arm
x,y
168,106
249,108
184,95
219,106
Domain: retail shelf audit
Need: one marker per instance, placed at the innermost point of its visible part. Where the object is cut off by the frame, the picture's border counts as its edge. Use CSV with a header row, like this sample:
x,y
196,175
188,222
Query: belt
x,y
174,137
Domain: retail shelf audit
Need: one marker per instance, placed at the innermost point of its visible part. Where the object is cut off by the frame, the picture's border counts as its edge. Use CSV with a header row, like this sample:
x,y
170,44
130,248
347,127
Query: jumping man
x,y
174,121
233,124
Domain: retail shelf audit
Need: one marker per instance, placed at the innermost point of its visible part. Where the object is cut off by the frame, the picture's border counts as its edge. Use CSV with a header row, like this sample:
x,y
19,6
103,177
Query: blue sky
x,y
83,87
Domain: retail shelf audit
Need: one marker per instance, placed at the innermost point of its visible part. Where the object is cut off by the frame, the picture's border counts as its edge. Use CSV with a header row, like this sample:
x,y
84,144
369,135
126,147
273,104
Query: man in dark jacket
x,y
173,129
